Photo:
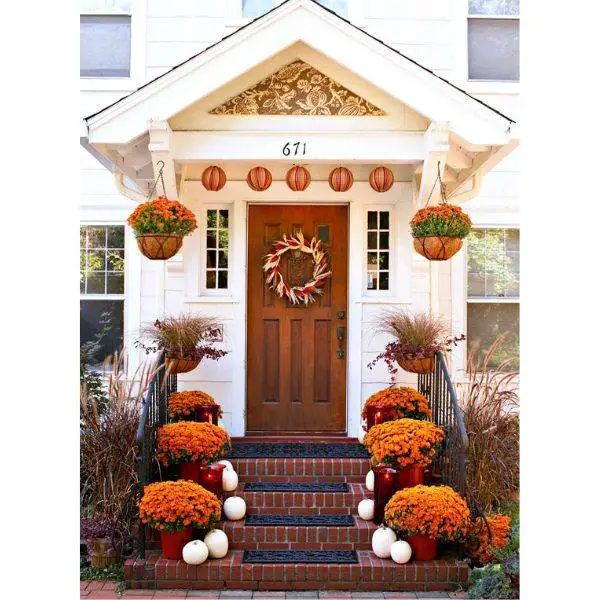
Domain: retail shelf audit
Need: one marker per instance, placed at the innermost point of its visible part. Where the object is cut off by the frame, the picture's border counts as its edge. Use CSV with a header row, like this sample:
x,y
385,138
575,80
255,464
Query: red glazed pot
x,y
386,485
410,476
211,478
379,413
172,542
207,413
189,471
423,547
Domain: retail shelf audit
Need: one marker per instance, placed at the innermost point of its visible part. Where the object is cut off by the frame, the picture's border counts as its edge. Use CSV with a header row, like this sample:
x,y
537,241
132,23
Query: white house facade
x,y
427,87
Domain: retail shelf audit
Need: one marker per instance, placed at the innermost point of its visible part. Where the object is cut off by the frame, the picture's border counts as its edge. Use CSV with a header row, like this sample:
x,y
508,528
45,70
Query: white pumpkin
x,y
228,465
234,508
230,480
217,543
401,552
370,481
366,509
382,541
195,552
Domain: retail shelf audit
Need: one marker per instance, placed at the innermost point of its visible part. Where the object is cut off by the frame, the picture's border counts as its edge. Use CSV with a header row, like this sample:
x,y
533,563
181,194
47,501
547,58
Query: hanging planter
x,y
213,178
161,224
176,363
259,179
341,179
298,178
381,179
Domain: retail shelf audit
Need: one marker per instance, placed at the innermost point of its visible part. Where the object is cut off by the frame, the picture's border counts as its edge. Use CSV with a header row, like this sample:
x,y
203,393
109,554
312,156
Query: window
x,y
493,294
254,8
102,287
217,249
105,45
378,250
493,40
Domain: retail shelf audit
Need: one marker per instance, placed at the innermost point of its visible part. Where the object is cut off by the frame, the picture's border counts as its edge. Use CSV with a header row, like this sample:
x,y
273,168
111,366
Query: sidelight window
x,y
378,250
217,249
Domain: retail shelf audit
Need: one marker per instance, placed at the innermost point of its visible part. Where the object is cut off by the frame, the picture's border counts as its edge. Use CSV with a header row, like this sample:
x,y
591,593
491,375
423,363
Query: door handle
x,y
340,339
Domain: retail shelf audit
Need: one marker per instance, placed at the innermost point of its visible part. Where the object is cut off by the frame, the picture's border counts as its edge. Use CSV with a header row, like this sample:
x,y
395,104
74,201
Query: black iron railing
x,y
451,464
154,414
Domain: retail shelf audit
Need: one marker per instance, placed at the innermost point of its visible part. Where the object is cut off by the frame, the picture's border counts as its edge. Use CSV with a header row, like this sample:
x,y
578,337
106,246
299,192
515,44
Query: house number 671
x,y
294,149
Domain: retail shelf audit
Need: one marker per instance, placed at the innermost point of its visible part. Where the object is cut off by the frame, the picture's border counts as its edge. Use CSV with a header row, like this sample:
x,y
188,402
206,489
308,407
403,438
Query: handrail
x,y
454,398
147,400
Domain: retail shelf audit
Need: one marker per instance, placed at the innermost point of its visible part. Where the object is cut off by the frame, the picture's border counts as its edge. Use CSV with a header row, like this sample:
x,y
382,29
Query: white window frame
x,y
137,53
205,291
391,209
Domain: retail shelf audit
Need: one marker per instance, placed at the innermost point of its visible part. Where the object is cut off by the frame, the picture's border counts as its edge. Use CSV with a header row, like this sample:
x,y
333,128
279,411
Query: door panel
x,y
296,376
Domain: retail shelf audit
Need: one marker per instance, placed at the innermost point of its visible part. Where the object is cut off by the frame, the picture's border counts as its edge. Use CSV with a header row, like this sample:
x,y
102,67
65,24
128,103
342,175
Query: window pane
x,y
105,42
372,219
384,219
371,281
211,219
95,283
96,237
115,260
255,8
494,49
222,280
339,6
100,328
384,240
372,240
224,218
211,279
384,260
223,259
384,281
485,323
96,260
223,238
494,7
372,260
116,237
211,239
115,283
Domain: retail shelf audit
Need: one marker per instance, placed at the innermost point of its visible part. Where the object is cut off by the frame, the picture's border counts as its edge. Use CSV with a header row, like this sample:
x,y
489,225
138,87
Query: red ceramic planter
x,y
172,542
211,478
385,487
423,547
379,413
189,471
204,413
410,476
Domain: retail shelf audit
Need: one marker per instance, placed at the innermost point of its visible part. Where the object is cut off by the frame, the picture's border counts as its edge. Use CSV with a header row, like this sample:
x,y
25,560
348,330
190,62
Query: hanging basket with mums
x,y
426,515
396,403
174,507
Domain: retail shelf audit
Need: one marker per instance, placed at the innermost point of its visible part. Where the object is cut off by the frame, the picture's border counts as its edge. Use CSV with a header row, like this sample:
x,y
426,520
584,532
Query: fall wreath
x,y
297,294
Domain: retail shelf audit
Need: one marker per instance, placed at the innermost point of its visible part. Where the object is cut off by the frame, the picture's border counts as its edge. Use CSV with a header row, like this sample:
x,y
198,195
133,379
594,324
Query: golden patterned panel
x,y
298,89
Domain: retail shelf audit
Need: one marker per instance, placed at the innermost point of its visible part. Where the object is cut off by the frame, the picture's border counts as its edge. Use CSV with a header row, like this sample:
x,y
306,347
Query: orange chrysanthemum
x,y
184,403
188,441
162,216
444,219
407,402
435,511
403,442
482,547
174,505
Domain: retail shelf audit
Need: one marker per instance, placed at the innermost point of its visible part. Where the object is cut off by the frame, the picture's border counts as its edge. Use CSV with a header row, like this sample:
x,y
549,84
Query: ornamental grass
x,y
188,441
487,536
175,505
162,216
404,442
443,220
183,404
406,402
437,512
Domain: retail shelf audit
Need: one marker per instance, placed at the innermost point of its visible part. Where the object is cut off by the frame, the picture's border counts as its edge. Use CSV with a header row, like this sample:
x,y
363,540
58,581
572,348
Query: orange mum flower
x,y
188,441
482,547
407,402
174,505
162,216
404,442
435,511
184,403
444,219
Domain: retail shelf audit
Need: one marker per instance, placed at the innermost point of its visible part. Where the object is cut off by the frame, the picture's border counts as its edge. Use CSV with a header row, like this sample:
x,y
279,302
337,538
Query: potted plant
x,y
394,403
191,445
174,507
488,535
160,226
185,339
103,542
438,231
426,515
194,406
417,338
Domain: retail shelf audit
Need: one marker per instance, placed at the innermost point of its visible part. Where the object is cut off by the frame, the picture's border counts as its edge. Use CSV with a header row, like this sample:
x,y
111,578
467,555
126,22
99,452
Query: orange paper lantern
x,y
259,179
213,178
340,179
298,178
381,179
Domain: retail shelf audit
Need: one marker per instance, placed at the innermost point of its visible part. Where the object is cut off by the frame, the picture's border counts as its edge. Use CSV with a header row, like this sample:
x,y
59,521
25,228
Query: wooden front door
x,y
297,354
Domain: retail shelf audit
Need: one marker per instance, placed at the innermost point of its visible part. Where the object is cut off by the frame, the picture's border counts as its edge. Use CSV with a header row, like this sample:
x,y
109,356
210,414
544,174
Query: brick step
x,y
370,573
272,537
290,503
352,470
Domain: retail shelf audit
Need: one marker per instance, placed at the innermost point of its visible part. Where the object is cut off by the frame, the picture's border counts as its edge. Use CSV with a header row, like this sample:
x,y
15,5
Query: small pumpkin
x,y
370,481
382,541
366,509
228,465
401,552
234,508
195,552
217,543
230,480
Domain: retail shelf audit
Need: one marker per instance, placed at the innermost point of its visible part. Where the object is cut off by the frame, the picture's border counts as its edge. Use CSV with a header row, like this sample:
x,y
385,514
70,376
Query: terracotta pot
x,y
410,476
172,542
417,365
101,552
159,246
189,471
177,364
437,247
423,547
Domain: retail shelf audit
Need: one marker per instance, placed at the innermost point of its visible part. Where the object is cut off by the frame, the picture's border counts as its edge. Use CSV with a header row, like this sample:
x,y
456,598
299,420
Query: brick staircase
x,y
368,574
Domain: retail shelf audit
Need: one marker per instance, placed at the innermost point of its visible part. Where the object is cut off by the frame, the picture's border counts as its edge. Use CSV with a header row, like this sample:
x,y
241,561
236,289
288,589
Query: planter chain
x,y
159,176
443,199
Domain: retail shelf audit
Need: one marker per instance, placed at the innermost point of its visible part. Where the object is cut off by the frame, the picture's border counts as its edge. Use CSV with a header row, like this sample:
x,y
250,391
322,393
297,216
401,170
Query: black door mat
x,y
301,556
298,450
301,520
325,487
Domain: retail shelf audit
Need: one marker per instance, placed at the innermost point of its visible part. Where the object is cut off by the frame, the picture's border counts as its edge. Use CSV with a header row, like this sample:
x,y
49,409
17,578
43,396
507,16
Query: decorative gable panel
x,y
298,89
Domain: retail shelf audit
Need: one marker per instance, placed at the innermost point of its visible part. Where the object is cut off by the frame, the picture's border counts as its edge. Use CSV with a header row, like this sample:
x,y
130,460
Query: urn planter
x,y
211,478
156,246
437,247
204,413
386,485
172,542
379,413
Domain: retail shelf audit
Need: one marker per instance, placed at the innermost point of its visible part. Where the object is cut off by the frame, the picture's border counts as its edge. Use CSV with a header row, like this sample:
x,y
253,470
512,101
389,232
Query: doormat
x,y
298,450
300,556
301,520
325,487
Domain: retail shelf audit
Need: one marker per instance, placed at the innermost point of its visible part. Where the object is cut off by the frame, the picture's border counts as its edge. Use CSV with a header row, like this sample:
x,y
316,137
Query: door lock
x,y
341,314
340,339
